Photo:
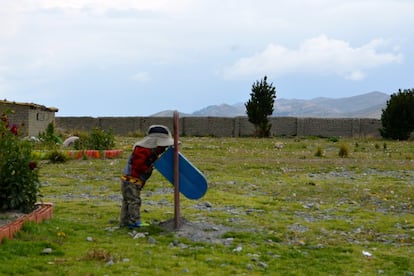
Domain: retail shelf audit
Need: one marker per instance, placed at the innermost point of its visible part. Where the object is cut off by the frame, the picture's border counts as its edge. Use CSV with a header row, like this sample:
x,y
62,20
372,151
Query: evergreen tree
x,y
260,106
398,117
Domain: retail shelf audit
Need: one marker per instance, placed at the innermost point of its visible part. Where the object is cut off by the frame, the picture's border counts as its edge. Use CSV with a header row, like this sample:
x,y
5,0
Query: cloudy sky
x,y
139,57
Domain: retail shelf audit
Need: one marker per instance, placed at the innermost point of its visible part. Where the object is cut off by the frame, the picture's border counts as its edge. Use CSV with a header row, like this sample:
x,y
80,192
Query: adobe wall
x,y
19,116
229,127
30,119
39,120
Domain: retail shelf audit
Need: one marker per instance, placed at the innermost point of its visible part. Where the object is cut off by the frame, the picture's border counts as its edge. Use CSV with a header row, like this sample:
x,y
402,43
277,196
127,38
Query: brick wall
x,y
229,127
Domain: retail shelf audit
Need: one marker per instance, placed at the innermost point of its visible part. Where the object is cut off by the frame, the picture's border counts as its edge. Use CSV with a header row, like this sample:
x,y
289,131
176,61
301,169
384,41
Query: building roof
x,y
31,105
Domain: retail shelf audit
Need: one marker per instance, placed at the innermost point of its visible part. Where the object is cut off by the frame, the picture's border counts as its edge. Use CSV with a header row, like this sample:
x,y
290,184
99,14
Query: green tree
x,y
260,106
398,117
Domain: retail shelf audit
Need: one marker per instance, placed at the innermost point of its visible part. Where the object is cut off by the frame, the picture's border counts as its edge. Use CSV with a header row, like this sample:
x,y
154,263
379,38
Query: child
x,y
138,170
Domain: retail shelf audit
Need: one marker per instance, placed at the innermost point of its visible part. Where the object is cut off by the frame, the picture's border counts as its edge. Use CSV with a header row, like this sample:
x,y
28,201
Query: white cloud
x,y
44,43
321,55
141,77
355,76
103,6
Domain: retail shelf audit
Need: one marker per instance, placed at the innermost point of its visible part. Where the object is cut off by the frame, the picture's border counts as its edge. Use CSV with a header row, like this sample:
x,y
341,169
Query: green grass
x,y
290,212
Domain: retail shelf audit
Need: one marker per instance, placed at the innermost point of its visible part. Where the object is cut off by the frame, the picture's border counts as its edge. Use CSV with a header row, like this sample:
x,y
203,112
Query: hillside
x,y
367,105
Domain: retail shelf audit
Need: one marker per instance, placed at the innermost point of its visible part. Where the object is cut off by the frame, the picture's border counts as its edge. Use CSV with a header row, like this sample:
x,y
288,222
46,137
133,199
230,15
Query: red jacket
x,y
140,163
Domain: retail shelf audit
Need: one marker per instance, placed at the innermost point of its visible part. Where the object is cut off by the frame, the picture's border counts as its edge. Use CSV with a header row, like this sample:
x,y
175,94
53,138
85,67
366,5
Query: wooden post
x,y
176,173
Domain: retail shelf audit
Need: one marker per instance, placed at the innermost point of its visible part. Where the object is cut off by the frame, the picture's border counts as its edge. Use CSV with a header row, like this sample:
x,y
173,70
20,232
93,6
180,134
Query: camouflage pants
x,y
131,203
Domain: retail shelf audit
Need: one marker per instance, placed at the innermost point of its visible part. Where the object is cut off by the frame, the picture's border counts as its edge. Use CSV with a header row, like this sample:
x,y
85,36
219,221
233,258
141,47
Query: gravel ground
x,y
9,216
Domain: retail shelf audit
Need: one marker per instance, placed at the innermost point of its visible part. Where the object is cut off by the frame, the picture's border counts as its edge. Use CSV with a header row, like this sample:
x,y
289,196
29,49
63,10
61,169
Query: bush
x,y
49,138
343,151
56,156
97,139
319,152
398,117
333,139
19,182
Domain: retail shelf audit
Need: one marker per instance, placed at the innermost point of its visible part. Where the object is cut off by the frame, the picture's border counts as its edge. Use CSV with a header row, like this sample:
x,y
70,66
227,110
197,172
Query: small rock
x,y
139,235
208,204
110,263
125,260
238,249
301,242
279,145
262,264
112,229
228,241
89,239
250,267
47,250
366,254
152,240
175,242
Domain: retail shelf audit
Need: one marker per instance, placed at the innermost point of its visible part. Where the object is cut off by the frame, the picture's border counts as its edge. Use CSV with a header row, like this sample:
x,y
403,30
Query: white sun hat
x,y
157,136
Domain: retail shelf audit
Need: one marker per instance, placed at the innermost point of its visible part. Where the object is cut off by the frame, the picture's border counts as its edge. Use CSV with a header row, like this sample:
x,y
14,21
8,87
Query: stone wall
x,y
229,127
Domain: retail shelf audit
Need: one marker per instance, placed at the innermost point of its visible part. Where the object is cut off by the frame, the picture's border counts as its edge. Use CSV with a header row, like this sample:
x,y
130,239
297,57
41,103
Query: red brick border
x,y
42,212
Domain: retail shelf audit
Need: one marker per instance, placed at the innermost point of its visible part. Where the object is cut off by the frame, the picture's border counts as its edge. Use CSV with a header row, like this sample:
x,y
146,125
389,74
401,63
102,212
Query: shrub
x,y
49,138
97,139
56,156
343,151
333,139
19,182
101,140
319,152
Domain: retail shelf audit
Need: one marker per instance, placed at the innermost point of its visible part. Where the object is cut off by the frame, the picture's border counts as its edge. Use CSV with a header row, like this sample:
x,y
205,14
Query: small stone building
x,y
31,118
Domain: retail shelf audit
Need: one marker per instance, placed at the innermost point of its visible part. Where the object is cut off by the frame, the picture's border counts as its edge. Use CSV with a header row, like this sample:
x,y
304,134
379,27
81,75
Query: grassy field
x,y
280,206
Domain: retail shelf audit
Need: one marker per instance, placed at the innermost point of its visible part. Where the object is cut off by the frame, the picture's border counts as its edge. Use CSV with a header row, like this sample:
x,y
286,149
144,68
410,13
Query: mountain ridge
x,y
368,105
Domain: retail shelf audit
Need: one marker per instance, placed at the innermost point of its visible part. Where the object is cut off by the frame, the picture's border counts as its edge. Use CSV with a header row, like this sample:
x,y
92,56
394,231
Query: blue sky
x,y
136,58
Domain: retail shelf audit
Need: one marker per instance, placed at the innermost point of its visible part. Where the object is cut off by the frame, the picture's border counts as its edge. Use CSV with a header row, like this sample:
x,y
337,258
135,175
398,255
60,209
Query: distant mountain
x,y
169,113
223,110
367,105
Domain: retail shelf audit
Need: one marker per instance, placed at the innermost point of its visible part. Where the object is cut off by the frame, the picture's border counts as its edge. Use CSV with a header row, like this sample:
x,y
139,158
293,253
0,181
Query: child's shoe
x,y
137,224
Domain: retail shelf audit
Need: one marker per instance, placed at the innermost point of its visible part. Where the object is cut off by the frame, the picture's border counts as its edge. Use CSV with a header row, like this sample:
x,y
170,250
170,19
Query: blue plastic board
x,y
192,183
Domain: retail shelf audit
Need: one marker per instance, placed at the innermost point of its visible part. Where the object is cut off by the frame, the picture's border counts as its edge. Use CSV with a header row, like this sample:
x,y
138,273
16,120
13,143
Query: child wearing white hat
x,y
138,170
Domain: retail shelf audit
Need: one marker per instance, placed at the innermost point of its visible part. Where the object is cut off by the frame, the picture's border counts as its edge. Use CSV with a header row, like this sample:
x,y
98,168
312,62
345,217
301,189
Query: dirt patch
x,y
198,231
